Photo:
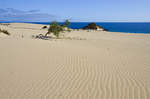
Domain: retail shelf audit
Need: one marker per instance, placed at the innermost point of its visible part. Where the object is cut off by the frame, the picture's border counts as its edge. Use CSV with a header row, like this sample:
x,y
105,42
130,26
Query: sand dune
x,y
103,65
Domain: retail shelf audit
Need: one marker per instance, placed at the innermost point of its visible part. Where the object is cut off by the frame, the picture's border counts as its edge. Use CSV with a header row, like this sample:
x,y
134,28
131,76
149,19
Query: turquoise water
x,y
129,27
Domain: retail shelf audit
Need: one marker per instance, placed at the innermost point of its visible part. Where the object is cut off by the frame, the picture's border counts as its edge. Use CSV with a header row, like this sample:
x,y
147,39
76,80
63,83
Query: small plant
x,y
5,32
67,23
55,28
69,30
63,25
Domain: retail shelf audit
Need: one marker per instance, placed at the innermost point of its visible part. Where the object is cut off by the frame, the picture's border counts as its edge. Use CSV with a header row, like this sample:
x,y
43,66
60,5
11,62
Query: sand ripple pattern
x,y
78,78
74,70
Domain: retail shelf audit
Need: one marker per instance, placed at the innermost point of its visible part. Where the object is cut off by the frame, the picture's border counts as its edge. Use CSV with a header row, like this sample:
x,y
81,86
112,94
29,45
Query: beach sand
x,y
82,65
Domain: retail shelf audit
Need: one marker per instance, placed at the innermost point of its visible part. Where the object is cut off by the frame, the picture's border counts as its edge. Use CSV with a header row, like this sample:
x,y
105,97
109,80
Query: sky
x,y
83,10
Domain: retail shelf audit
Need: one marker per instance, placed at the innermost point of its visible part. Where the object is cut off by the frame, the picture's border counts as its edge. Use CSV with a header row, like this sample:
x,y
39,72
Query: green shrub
x,y
67,23
5,32
55,28
63,25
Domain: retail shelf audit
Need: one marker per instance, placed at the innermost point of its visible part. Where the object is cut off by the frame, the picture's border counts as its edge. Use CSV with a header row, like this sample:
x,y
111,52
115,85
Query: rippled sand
x,y
88,65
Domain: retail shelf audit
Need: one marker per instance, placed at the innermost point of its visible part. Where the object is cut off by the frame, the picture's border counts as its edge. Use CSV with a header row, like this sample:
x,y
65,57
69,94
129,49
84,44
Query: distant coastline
x,y
126,27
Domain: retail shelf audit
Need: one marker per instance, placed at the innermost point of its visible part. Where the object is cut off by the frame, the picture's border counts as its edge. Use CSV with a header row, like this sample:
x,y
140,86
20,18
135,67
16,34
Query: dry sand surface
x,y
89,65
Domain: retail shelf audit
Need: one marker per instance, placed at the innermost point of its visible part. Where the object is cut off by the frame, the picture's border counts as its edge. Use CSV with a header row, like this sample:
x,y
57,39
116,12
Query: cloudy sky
x,y
76,10
11,14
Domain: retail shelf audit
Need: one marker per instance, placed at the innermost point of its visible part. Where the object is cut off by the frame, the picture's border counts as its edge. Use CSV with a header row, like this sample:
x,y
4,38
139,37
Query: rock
x,y
93,26
44,27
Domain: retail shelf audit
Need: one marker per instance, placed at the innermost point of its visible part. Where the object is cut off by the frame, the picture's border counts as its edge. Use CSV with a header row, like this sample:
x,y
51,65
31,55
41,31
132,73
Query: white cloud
x,y
11,14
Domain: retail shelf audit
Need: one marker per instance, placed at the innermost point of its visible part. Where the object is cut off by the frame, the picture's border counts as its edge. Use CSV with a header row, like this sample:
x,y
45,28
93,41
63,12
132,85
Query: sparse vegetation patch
x,y
5,32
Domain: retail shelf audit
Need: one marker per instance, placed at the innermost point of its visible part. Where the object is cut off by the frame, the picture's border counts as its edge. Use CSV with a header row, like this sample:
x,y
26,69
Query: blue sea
x,y
130,27
113,26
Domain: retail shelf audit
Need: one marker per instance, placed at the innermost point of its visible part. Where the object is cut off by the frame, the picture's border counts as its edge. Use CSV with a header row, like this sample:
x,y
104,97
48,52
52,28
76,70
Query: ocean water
x,y
130,27
113,26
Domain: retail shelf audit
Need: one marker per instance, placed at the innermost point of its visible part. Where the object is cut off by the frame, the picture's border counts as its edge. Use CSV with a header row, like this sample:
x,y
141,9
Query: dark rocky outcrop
x,y
44,27
93,26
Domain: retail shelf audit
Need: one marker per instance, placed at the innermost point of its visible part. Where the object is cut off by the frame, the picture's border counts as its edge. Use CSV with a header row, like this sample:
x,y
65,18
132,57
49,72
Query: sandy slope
x,y
103,65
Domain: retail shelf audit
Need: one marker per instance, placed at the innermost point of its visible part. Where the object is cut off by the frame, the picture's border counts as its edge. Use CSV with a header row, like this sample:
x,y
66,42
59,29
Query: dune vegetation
x,y
56,29
4,31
